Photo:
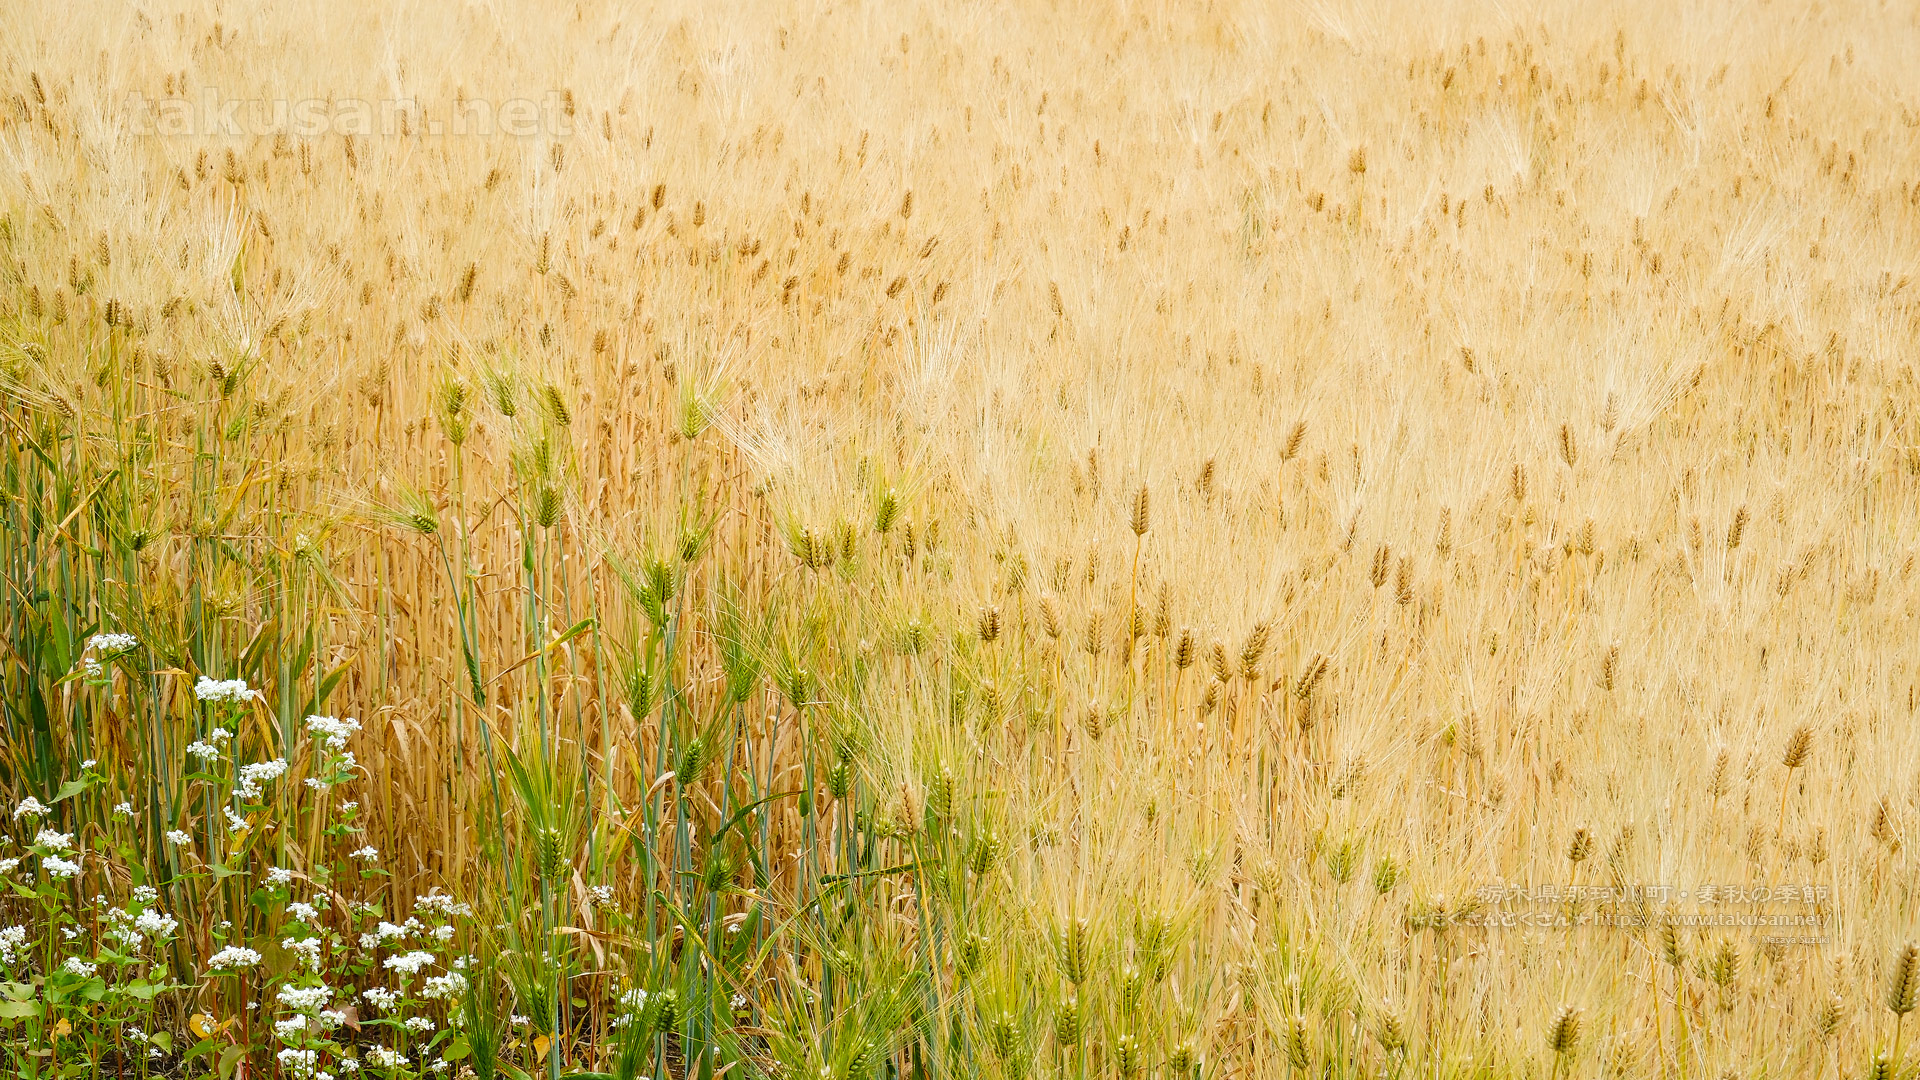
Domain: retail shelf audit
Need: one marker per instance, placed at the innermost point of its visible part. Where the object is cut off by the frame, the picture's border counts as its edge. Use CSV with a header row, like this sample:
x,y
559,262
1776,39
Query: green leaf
x,y
71,788
229,1058
15,1010
163,1040
458,1049
514,1072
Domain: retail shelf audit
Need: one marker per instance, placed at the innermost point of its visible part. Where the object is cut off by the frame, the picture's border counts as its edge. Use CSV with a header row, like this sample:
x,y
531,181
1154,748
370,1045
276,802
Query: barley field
x,y
925,541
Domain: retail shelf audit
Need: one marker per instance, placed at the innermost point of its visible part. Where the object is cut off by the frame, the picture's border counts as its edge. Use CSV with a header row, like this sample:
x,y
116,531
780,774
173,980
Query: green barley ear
x,y
886,511
1076,951
505,394
969,954
1068,1023
452,404
550,848
1386,874
548,507
695,412
1299,1045
1126,1054
556,403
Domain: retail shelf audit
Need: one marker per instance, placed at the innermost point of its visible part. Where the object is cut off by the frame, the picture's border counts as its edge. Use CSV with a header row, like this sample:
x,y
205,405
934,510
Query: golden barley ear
x,y
1141,521
1563,1034
1295,438
1798,747
1903,983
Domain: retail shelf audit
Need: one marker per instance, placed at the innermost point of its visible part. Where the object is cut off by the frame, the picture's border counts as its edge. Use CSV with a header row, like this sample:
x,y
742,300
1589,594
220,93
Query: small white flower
x,y
203,750
420,1024
387,1059
233,956
123,810
13,944
518,1021
145,894
30,807
304,912
59,867
279,875
443,934
88,764
112,643
365,854
294,1061
77,966
7,866
290,1028
600,895
179,837
380,997
92,668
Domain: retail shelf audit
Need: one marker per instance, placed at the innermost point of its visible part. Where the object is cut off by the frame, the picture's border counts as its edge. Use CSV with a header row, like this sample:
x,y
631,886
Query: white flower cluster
x,y
410,963
113,643
253,776
419,1024
307,949
295,1062
304,912
450,985
77,966
633,1001
13,944
333,730
306,999
234,690
233,956
442,903
58,841
179,837
209,748
156,924
365,854
30,807
380,998
385,1058
386,932
58,867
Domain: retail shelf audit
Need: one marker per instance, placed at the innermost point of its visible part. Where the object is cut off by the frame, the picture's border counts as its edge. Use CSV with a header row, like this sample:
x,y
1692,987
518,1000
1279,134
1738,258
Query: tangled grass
x,y
947,541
